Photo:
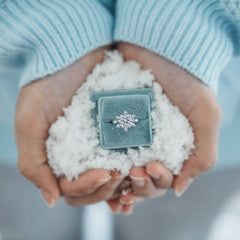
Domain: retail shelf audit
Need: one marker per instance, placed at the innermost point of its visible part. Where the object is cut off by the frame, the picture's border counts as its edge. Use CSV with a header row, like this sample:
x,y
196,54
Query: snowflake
x,y
125,121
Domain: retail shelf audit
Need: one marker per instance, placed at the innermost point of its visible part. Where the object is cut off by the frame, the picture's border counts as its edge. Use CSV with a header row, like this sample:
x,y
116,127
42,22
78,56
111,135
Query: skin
x,y
41,102
199,104
38,106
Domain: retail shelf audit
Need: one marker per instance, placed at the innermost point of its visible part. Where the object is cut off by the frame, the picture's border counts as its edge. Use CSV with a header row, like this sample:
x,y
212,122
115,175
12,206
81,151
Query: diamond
x,y
125,121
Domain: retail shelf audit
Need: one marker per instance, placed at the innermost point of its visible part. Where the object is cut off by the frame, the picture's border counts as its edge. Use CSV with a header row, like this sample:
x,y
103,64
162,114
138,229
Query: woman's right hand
x,y
38,106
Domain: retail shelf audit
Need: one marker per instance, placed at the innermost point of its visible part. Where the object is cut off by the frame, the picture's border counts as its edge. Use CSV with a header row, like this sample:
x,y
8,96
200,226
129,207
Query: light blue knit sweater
x,y
41,37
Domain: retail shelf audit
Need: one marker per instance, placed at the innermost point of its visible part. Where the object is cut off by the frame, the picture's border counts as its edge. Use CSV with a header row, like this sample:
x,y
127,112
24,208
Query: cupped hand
x,y
38,106
198,103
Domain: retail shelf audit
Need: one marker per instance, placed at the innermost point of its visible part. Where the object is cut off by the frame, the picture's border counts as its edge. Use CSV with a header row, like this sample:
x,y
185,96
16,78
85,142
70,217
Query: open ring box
x,y
119,118
123,118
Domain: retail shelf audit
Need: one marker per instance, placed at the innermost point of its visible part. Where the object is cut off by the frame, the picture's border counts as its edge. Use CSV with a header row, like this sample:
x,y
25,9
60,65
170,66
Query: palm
x,y
39,104
196,101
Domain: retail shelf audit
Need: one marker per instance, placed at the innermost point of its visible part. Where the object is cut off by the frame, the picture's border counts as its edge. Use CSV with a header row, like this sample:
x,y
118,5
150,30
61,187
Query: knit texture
x,y
41,37
200,36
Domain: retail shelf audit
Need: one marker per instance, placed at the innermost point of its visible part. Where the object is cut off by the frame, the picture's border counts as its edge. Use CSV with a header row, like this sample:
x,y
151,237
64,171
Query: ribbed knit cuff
x,y
42,37
192,34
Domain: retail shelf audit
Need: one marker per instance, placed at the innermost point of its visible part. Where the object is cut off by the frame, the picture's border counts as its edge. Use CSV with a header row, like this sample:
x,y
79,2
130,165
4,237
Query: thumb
x,y
44,179
183,181
203,158
32,162
48,185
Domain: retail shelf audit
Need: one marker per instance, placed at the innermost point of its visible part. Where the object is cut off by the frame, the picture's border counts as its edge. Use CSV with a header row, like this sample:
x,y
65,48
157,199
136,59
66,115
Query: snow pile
x,y
73,144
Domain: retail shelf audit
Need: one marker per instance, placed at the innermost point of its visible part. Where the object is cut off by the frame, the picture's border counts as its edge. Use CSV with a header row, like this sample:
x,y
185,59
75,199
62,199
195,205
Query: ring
x,y
125,121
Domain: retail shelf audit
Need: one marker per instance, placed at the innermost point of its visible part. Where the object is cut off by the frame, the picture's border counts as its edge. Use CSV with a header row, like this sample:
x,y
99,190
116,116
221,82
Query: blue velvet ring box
x,y
123,118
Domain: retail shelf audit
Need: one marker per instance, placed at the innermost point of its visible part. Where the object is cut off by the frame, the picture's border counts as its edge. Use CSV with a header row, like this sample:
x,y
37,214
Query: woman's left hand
x,y
198,103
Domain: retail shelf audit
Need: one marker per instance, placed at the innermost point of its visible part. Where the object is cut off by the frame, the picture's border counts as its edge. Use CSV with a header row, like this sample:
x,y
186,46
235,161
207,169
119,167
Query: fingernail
x,y
101,182
138,181
129,212
126,203
153,175
183,186
115,213
118,210
48,198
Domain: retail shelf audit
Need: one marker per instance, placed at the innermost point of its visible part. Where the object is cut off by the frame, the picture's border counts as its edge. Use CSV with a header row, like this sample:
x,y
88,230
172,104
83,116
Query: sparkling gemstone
x,y
125,121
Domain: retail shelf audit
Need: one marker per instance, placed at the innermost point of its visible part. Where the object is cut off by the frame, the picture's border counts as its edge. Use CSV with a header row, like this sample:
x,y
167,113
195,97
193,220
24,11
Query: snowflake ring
x,y
125,121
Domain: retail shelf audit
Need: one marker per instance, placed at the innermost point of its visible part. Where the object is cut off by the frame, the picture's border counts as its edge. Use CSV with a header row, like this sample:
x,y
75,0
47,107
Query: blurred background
x,y
209,210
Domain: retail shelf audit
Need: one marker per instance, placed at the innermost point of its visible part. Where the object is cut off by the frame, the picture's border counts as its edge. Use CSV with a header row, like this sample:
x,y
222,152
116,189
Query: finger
x,y
128,199
161,176
125,184
141,182
43,179
30,135
116,194
139,199
32,164
128,209
85,184
203,158
115,206
123,187
102,194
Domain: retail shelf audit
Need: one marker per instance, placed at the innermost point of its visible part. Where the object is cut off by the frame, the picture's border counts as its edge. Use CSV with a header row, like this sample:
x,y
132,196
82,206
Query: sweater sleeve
x,y
200,36
41,37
